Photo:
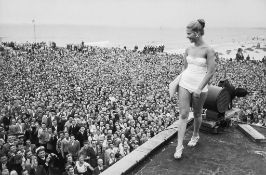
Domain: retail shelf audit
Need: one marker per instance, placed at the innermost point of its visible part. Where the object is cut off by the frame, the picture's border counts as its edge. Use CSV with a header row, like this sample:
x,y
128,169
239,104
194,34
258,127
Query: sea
x,y
174,39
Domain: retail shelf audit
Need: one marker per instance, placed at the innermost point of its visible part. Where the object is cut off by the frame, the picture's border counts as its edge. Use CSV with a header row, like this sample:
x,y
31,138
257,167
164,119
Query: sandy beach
x,y
229,50
249,48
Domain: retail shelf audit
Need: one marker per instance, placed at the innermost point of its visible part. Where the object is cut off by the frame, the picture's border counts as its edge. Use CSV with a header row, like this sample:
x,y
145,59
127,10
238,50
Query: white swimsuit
x,y
194,74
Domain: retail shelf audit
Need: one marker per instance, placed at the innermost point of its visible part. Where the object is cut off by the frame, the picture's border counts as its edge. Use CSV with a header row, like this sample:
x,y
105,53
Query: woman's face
x,y
191,35
69,159
81,159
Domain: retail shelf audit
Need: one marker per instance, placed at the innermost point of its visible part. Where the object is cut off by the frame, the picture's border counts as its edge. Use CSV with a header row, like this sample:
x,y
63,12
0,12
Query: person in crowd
x,y
65,144
70,170
73,147
88,152
198,69
51,144
36,168
43,135
13,172
14,128
239,54
82,136
5,172
112,159
74,128
4,163
83,167
25,172
100,167
28,160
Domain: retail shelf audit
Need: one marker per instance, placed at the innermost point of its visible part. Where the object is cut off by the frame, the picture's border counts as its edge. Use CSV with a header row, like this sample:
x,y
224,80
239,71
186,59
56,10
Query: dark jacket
x,y
82,137
40,170
98,170
73,130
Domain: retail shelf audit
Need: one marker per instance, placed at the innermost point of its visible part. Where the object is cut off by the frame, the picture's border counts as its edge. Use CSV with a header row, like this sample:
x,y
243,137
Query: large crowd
x,y
78,111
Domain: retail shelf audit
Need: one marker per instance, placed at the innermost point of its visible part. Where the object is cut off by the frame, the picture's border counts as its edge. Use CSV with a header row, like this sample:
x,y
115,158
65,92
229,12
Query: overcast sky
x,y
147,13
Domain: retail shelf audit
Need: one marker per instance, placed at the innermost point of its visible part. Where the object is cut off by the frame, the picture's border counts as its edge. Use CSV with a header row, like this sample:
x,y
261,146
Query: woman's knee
x,y
184,115
197,114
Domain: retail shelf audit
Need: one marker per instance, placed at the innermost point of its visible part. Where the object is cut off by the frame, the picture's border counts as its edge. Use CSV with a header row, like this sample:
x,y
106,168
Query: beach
x,y
249,49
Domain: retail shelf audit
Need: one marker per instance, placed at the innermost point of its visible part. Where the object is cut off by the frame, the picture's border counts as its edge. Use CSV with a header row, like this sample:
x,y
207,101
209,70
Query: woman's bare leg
x,y
184,106
197,104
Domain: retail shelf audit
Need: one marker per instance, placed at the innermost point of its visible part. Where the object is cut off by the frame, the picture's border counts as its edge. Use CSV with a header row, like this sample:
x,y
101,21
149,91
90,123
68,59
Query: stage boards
x,y
252,133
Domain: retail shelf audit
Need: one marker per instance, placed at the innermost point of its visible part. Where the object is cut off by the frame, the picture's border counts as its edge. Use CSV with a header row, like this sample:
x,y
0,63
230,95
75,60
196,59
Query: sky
x,y
135,13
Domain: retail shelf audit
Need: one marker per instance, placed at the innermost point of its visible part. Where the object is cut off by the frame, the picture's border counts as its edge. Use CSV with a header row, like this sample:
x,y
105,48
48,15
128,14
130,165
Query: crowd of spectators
x,y
78,111
249,75
150,49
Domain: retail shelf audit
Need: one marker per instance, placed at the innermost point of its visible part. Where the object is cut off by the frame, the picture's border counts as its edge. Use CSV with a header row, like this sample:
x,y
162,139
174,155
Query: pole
x,y
33,21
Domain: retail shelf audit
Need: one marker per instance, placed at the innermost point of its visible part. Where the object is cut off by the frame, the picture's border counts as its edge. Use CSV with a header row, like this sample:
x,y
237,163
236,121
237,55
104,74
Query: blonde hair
x,y
197,26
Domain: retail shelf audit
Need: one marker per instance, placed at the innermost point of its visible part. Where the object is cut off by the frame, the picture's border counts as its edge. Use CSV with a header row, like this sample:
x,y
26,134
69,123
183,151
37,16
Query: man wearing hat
x,y
47,161
40,151
21,138
42,165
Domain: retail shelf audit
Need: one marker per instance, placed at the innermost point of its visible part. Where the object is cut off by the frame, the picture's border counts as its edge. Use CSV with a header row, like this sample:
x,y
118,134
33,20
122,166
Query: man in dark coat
x,y
49,162
90,155
73,129
100,167
82,136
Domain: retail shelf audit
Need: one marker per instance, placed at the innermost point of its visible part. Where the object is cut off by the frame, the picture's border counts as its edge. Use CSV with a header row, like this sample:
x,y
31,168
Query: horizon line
x,y
124,26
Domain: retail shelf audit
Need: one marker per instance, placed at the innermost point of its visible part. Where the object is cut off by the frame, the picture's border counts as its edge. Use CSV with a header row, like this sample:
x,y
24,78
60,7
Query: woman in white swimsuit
x,y
199,67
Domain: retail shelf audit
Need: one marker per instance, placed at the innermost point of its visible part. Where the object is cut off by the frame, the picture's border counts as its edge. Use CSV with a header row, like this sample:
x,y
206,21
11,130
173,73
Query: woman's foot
x,y
178,152
193,141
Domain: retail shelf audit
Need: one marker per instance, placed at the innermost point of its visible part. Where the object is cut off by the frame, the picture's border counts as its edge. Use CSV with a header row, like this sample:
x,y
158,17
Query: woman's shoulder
x,y
188,49
207,48
86,164
204,47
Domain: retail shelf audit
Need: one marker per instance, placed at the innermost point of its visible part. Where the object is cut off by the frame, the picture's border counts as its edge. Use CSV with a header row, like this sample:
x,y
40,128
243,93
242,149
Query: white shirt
x,y
82,168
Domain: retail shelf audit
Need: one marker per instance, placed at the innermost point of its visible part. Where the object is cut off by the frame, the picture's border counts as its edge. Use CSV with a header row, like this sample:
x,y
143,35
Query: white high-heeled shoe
x,y
193,141
178,152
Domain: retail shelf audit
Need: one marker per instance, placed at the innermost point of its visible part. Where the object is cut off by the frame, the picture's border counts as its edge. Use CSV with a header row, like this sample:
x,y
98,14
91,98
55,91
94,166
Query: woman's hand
x,y
197,93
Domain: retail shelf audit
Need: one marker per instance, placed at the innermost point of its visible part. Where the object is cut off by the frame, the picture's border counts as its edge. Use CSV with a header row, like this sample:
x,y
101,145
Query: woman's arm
x,y
89,166
174,84
211,67
185,60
